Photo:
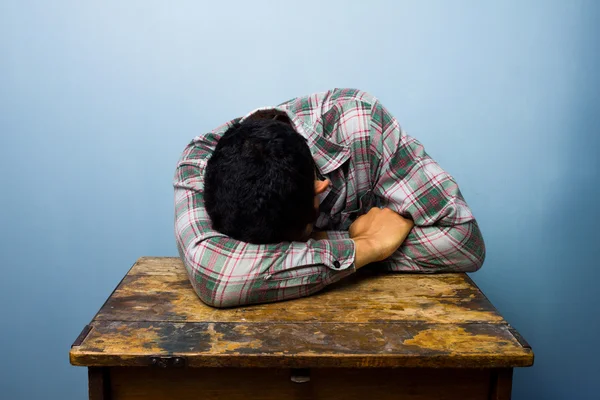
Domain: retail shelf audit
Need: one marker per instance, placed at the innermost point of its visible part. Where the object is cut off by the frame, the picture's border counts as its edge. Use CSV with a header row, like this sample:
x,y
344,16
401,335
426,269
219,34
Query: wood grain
x,y
275,384
444,298
373,319
158,266
303,345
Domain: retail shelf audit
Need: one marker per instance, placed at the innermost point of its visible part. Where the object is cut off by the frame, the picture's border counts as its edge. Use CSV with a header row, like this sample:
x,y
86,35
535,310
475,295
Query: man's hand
x,y
378,234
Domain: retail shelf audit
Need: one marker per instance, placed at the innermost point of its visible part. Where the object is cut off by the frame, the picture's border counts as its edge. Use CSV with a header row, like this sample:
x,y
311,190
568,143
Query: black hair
x,y
259,183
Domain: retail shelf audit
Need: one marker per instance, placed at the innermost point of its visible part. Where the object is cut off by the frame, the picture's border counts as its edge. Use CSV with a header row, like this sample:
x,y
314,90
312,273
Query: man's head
x,y
260,183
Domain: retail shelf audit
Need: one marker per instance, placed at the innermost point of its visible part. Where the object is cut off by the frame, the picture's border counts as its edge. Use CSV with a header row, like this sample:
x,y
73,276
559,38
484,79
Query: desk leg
x,y
501,386
99,383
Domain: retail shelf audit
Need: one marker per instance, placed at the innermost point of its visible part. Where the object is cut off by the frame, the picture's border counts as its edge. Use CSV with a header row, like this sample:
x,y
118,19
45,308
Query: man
x,y
289,199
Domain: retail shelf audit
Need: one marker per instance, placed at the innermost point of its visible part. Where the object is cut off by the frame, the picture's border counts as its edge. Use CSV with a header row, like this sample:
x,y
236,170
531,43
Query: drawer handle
x,y
300,375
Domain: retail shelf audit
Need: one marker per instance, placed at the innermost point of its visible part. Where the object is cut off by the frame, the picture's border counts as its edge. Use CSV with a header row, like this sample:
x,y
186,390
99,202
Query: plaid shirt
x,y
359,146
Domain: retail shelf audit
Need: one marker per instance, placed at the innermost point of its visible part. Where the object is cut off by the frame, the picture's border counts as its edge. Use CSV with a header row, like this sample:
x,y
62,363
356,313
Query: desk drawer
x,y
128,383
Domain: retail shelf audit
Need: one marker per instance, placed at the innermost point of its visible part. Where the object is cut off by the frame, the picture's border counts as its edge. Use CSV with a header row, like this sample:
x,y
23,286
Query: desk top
x,y
371,319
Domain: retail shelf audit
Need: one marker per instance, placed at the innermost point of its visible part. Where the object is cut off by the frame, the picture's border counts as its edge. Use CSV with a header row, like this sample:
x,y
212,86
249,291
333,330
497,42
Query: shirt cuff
x,y
340,256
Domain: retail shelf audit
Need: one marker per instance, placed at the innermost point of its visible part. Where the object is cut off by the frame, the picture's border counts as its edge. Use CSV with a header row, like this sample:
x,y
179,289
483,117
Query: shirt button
x,y
336,264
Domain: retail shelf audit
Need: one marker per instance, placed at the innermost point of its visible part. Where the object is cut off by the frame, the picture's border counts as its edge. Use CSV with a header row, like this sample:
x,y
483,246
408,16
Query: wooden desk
x,y
372,336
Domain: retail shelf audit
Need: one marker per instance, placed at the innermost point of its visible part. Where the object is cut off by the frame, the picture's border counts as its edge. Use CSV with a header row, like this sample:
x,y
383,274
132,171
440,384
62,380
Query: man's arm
x,y
458,248
446,236
225,272
378,234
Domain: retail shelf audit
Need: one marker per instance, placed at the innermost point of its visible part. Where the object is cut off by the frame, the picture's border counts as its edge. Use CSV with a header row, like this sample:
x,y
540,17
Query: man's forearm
x,y
458,248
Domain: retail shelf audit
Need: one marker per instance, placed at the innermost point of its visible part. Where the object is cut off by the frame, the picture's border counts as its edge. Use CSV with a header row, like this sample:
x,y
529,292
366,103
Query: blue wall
x,y
98,100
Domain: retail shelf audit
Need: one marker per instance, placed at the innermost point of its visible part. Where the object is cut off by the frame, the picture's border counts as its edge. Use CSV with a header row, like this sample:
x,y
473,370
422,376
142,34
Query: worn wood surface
x,y
275,384
372,319
302,344
440,298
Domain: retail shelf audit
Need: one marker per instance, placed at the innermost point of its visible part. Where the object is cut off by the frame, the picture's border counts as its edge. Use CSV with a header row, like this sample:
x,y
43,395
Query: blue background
x,y
98,99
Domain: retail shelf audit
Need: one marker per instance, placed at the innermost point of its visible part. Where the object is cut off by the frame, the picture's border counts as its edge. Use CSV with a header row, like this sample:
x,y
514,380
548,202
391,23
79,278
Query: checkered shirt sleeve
x,y
446,237
225,272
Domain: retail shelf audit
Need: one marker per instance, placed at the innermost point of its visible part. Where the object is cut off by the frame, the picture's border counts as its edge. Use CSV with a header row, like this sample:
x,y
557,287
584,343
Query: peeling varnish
x,y
170,298
219,344
456,340
117,340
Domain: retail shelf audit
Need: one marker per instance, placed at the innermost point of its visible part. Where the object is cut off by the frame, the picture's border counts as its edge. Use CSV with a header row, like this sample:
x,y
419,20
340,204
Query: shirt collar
x,y
327,154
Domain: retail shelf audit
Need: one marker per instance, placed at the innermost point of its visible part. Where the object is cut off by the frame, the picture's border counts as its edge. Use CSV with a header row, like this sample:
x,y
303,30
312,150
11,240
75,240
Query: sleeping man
x,y
288,199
